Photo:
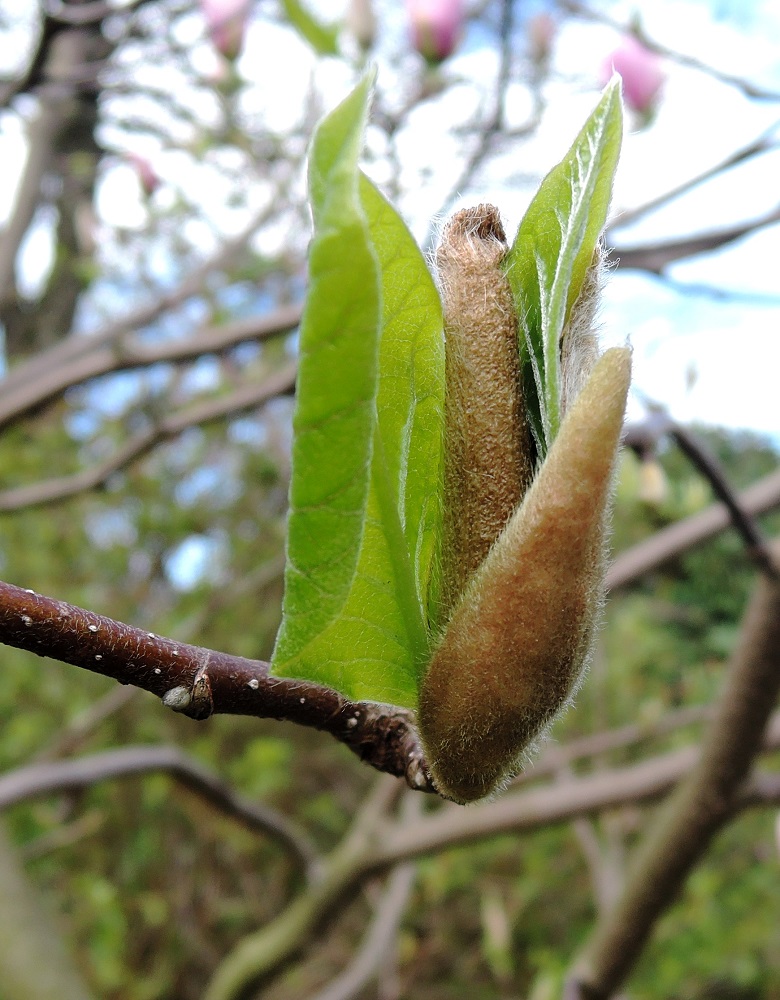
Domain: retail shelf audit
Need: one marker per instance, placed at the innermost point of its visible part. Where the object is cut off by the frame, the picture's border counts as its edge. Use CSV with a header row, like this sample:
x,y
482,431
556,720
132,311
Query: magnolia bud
x,y
642,73
653,487
147,175
519,638
488,455
361,22
540,30
436,27
226,24
579,342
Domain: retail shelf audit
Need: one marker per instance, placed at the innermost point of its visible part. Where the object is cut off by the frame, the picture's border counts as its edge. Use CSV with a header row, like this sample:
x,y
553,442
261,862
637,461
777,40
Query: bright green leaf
x,y
553,249
336,393
410,406
364,632
322,37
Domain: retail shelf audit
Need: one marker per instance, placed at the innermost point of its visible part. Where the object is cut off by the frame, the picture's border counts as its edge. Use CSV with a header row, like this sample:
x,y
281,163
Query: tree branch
x,y
367,853
555,758
656,256
247,397
763,144
643,438
378,939
744,522
24,390
262,954
702,804
66,741
748,89
37,780
454,826
674,540
45,369
200,682
40,142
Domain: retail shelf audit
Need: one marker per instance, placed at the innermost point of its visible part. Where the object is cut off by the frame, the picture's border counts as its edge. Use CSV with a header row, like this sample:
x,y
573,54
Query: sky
x,y
707,341
707,355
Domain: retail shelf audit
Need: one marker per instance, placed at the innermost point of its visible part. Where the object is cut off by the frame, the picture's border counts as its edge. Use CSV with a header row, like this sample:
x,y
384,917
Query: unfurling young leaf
x,y
447,520
552,261
365,492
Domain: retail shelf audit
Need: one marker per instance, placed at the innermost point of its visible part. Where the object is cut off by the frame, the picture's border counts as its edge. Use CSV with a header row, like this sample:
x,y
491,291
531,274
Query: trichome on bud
x,y
488,460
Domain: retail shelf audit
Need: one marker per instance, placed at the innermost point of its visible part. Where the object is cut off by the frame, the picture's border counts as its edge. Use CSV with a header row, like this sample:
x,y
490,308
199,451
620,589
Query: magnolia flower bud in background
x,y
226,24
361,22
435,26
642,73
653,487
540,29
146,174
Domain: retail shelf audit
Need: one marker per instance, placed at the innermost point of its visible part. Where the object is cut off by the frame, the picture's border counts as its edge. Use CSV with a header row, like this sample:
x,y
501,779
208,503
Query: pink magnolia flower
x,y
226,24
642,72
540,29
435,26
361,21
145,172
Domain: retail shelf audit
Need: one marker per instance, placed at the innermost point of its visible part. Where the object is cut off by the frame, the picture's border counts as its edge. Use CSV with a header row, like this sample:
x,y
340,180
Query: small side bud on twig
x,y
488,453
519,638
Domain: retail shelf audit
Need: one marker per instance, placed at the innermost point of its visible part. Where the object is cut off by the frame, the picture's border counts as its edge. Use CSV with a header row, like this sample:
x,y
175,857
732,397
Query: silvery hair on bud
x,y
579,342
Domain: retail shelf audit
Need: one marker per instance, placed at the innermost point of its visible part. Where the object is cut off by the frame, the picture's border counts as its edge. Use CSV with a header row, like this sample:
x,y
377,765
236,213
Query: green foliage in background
x,y
125,862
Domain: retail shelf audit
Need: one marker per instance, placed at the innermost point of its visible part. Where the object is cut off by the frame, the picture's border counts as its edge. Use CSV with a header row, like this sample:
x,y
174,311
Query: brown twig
x,y
626,217
744,523
40,374
656,256
702,804
24,390
247,397
674,540
748,89
200,682
643,438
555,758
37,780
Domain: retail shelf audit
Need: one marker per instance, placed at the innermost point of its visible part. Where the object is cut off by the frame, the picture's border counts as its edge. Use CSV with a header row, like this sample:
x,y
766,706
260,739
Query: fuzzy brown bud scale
x,y
519,637
488,455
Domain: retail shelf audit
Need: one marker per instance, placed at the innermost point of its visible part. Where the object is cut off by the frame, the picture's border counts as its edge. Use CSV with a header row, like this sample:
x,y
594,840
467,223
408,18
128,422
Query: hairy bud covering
x,y
488,455
520,635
